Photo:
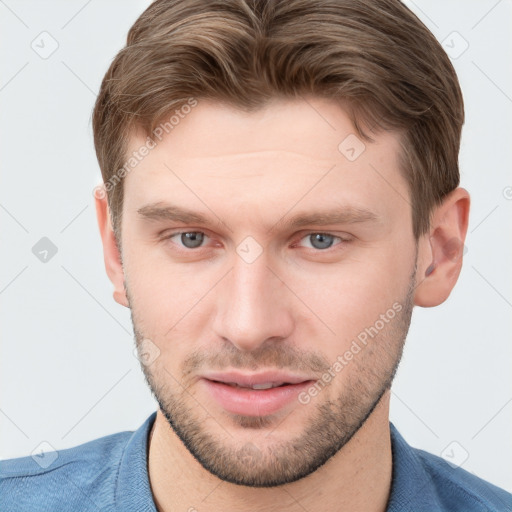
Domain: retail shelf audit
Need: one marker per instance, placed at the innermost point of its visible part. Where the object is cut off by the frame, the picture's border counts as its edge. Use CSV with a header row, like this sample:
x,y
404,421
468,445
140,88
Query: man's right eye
x,y
188,239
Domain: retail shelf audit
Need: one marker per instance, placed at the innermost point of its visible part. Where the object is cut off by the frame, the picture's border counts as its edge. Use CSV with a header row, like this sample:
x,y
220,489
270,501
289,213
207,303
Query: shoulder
x,y
423,482
460,490
83,476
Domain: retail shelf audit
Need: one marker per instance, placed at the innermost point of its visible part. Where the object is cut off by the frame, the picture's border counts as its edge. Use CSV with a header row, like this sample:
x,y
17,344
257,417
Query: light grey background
x,y
68,373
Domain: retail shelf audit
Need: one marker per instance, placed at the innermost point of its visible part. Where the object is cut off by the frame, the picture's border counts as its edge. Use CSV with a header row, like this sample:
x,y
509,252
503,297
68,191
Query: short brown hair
x,y
374,56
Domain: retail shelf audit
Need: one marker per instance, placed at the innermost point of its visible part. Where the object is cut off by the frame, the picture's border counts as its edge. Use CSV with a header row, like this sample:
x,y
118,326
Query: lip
x,y
250,379
254,402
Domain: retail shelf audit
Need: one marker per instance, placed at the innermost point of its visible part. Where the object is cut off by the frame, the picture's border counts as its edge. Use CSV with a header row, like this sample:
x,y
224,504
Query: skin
x,y
295,306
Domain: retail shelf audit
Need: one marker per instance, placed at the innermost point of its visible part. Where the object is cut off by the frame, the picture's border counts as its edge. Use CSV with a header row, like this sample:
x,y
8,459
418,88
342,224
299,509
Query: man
x,y
280,190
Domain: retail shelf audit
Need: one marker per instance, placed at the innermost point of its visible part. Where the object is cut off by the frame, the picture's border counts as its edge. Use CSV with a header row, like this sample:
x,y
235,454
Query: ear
x,y
111,253
441,250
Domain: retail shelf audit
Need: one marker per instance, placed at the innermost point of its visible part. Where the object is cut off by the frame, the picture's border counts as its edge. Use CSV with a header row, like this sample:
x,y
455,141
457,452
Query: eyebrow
x,y
342,215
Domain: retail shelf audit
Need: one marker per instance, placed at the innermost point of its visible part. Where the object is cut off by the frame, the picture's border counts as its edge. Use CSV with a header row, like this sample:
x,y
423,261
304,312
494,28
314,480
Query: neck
x,y
357,478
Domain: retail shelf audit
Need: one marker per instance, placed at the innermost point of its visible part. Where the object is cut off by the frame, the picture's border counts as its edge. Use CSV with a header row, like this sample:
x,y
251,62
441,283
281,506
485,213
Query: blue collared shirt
x,y
110,474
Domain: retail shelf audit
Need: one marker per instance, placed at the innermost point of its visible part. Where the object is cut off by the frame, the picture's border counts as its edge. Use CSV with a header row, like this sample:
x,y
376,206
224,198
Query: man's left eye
x,y
322,241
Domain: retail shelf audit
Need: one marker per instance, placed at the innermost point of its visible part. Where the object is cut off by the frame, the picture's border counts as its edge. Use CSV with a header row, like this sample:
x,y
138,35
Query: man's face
x,y
249,297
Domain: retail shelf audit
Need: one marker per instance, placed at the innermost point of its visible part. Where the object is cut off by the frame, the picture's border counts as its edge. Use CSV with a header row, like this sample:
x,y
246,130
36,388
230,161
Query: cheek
x,y
349,298
170,302
153,291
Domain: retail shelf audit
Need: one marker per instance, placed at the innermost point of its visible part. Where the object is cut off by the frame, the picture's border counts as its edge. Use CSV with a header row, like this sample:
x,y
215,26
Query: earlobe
x,y
111,253
441,255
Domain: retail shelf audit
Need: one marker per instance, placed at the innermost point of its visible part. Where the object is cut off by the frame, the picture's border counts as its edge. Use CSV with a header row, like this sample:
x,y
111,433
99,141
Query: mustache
x,y
264,357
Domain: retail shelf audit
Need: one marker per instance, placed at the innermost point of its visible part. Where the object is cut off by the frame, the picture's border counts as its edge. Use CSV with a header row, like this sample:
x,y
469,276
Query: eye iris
x,y
192,239
324,241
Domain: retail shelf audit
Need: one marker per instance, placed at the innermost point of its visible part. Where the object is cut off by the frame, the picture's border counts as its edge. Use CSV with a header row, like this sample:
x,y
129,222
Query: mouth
x,y
259,394
263,385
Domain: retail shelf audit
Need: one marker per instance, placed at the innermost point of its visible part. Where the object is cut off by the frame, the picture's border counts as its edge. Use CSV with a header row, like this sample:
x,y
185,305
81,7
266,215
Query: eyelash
x,y
340,238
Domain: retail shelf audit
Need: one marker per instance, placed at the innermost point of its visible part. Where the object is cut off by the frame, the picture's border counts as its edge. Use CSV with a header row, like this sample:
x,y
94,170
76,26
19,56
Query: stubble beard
x,y
331,426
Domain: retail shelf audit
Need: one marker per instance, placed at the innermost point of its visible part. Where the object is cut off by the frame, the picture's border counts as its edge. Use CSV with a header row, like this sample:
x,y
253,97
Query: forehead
x,y
289,154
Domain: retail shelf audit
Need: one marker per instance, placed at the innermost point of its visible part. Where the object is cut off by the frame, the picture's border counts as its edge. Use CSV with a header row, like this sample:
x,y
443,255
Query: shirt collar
x,y
132,489
410,487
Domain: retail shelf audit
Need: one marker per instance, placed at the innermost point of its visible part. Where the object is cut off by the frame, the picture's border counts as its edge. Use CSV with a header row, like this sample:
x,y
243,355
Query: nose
x,y
253,305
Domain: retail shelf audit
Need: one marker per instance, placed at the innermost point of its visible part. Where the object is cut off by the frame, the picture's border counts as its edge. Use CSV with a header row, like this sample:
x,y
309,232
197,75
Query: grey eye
x,y
192,239
321,240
